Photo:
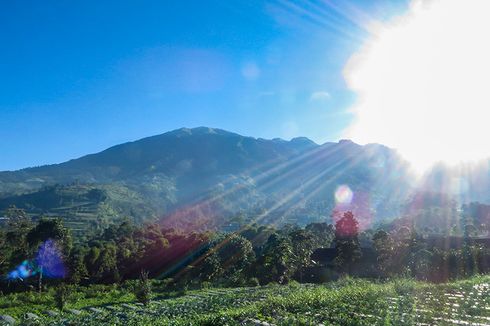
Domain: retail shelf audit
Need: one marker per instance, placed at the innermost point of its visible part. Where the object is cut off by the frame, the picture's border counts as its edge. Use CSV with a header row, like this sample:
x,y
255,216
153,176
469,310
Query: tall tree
x,y
49,253
50,229
384,246
277,259
347,242
303,243
18,226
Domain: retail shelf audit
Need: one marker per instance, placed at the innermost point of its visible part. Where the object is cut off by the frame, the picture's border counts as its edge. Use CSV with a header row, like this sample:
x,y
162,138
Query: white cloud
x,y
320,96
422,83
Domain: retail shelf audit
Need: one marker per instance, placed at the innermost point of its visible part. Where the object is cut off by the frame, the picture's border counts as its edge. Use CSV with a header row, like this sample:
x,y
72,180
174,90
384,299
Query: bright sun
x,y
423,83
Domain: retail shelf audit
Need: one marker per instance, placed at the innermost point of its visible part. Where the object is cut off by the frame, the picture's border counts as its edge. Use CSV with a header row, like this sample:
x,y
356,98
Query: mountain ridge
x,y
209,175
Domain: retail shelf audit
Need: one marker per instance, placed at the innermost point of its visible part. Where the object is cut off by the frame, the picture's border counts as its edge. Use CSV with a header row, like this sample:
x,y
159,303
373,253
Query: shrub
x,y
206,285
143,289
404,287
253,282
294,284
61,296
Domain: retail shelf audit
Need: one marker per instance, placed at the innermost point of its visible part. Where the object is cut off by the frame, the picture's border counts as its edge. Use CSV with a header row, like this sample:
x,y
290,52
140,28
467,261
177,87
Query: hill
x,y
203,176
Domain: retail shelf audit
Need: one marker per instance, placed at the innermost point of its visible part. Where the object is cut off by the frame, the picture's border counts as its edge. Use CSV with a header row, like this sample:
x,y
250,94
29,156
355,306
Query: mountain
x,y
205,177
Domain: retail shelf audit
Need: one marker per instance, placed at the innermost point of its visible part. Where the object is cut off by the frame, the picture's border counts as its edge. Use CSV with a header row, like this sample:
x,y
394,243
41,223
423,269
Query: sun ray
x,y
419,80
327,22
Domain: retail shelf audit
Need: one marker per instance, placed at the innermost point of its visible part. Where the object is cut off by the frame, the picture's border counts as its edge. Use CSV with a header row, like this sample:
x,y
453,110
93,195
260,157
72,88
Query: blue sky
x,y
80,76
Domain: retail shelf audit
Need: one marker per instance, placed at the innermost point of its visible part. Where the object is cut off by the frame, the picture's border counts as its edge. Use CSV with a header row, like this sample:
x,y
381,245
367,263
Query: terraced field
x,y
81,207
348,302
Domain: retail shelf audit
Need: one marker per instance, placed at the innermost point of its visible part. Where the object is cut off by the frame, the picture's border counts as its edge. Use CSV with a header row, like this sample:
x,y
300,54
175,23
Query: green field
x,y
346,302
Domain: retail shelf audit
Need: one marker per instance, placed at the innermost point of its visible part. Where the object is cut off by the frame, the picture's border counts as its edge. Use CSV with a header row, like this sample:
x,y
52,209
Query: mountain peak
x,y
303,141
202,130
345,141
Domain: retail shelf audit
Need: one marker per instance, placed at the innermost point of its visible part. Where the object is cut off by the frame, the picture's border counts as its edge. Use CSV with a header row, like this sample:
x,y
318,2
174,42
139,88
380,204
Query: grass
x,y
345,302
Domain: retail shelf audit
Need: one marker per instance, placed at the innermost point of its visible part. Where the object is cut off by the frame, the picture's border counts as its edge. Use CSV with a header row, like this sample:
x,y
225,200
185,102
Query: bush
x,y
294,284
61,296
183,290
253,282
143,289
404,287
206,285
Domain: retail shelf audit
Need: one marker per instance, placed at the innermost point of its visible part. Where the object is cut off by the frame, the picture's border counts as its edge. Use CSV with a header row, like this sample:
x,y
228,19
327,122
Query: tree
x,y
470,231
323,234
228,257
210,268
78,269
347,226
101,262
48,237
15,243
4,254
347,242
106,270
469,250
275,263
303,243
50,229
421,264
384,246
235,254
257,235
17,217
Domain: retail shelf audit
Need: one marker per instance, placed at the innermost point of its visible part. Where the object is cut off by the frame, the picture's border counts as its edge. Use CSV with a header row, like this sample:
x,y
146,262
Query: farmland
x,y
345,302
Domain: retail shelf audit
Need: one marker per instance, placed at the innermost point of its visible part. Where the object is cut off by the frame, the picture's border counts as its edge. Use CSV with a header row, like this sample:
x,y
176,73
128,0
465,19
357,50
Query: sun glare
x,y
422,82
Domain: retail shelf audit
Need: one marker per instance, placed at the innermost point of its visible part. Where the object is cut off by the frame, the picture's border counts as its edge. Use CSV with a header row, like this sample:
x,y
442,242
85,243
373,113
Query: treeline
x,y
254,255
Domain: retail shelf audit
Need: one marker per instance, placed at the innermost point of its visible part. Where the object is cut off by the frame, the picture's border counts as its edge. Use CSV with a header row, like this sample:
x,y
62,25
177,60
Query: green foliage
x,y
323,234
61,296
303,243
50,229
142,290
276,261
347,302
384,245
228,259
77,266
84,208
347,242
254,281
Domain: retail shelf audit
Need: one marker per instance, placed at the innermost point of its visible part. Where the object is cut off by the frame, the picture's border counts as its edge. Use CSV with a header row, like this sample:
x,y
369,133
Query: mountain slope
x,y
204,175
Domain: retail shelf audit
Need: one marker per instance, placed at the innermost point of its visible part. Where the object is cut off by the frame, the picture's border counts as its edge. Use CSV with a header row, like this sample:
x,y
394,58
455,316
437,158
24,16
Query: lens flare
x,y
49,261
343,195
23,271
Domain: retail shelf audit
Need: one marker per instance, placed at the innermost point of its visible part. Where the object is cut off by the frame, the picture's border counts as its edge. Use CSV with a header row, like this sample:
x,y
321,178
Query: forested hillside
x,y
202,177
